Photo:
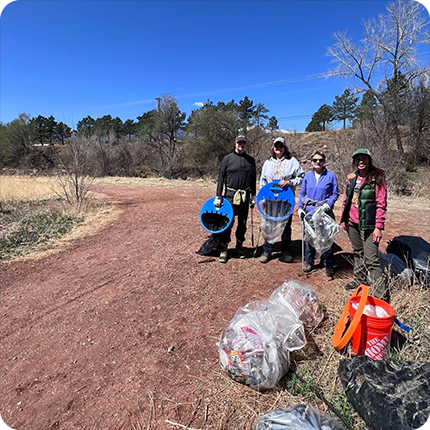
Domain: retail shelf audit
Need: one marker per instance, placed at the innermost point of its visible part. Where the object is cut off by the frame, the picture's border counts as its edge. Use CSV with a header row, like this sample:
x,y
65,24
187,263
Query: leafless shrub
x,y
378,139
75,184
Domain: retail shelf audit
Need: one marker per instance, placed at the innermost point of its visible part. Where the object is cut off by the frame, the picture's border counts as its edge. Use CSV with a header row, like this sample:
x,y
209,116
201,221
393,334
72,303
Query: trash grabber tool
x,y
252,227
302,221
258,241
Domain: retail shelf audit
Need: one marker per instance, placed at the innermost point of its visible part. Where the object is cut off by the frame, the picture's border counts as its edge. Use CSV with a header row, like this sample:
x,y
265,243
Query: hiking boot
x,y
329,271
308,268
223,256
239,250
265,257
351,286
286,257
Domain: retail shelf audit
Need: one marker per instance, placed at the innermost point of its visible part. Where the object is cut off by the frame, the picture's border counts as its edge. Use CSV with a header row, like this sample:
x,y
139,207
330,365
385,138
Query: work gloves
x,y
301,213
252,202
326,207
218,201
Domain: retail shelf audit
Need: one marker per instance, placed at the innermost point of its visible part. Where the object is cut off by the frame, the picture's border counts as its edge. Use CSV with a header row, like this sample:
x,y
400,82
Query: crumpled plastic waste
x,y
320,230
272,230
300,417
304,300
255,347
387,394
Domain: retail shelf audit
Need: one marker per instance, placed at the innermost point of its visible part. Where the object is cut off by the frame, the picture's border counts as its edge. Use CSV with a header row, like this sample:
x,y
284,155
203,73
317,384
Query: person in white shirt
x,y
283,166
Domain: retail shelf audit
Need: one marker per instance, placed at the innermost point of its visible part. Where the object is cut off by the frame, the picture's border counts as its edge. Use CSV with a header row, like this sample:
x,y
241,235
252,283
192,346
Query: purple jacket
x,y
313,195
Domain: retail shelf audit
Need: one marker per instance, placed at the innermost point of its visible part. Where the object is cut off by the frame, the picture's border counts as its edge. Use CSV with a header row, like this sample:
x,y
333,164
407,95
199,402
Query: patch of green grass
x,y
310,392
297,387
29,226
342,405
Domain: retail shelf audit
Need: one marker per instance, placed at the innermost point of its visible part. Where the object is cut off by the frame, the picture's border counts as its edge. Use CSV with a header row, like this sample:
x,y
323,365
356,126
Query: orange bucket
x,y
373,334
369,335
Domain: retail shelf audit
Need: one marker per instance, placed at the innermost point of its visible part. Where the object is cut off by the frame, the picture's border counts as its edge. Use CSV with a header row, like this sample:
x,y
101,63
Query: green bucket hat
x,y
363,151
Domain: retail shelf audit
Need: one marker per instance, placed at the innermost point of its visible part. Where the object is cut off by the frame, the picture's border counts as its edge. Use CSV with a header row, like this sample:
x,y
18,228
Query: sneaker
x,y
352,285
329,271
264,258
286,257
223,257
308,268
240,252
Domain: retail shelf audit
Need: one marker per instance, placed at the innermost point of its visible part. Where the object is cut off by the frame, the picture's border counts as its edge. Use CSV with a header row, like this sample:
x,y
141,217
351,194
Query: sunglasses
x,y
279,146
318,160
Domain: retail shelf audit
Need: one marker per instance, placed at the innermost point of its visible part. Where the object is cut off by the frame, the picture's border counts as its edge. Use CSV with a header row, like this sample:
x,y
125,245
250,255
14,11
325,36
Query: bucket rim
x,y
341,337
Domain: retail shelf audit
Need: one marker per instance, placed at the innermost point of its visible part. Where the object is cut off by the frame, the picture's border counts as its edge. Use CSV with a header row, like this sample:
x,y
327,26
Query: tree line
x,y
208,132
388,112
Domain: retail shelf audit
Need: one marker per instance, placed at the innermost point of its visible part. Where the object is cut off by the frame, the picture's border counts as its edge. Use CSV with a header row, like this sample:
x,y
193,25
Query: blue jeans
x,y
285,239
327,256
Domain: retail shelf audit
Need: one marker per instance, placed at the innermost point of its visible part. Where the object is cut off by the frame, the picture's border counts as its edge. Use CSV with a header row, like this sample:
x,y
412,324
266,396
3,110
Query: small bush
x,y
27,226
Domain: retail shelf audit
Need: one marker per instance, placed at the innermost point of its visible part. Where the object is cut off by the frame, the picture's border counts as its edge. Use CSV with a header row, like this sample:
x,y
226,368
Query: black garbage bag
x,y
301,417
415,252
211,246
387,394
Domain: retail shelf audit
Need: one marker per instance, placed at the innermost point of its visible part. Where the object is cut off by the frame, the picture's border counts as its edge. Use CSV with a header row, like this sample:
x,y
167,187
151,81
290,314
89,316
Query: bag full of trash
x,y
320,230
254,349
300,417
387,394
271,229
304,300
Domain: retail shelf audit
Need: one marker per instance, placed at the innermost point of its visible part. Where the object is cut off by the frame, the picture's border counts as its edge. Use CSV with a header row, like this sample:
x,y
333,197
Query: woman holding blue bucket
x,y
282,166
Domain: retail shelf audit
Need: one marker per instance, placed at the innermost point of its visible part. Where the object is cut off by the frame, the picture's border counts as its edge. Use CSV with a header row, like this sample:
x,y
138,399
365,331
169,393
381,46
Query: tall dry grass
x,y
25,188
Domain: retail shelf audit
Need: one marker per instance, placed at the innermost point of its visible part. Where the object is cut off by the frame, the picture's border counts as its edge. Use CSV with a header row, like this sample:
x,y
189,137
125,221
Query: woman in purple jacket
x,y
319,188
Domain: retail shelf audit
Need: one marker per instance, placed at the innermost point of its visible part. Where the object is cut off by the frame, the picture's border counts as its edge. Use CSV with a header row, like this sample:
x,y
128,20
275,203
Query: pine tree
x,y
344,107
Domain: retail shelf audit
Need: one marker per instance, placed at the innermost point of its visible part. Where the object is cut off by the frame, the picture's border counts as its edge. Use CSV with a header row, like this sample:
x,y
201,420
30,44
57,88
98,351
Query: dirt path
x,y
90,335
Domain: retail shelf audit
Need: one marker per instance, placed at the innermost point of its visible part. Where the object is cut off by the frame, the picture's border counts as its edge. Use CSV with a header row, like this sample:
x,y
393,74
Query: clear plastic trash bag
x,y
300,417
320,230
254,348
304,300
272,230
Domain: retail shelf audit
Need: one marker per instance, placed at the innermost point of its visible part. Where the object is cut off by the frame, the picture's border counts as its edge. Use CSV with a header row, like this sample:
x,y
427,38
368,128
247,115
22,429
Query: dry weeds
x,y
24,188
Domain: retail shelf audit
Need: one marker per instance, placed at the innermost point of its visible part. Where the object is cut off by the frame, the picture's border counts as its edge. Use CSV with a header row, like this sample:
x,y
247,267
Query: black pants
x,y
241,212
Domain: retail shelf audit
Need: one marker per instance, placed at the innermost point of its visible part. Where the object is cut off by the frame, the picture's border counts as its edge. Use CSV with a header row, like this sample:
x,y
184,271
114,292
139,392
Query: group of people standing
x,y
363,212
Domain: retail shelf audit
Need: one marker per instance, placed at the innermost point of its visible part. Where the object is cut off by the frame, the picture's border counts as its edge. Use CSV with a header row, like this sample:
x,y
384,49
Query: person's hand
x,y
377,235
344,227
252,202
326,207
218,201
284,182
301,213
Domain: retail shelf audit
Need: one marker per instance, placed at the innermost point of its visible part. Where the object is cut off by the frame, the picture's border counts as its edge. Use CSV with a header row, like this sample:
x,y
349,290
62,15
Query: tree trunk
x,y
399,144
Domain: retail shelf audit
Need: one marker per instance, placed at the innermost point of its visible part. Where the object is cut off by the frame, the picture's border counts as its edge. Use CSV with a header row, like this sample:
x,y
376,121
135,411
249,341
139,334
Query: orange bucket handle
x,y
338,341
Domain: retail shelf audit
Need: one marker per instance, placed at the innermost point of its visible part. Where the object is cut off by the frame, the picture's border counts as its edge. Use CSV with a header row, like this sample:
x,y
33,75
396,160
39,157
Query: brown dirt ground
x,y
119,330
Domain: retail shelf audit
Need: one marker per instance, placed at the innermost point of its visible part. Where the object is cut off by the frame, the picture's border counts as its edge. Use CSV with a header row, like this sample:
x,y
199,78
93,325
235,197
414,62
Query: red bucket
x,y
373,334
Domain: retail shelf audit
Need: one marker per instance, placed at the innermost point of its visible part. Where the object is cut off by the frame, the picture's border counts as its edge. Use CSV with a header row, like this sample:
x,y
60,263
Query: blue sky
x,y
71,59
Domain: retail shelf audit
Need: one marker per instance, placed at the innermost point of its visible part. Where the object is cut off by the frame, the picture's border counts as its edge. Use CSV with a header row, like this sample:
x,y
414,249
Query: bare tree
x,y
389,44
75,184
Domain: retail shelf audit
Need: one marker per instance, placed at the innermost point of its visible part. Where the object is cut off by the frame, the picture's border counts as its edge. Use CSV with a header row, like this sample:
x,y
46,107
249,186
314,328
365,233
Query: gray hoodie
x,y
289,170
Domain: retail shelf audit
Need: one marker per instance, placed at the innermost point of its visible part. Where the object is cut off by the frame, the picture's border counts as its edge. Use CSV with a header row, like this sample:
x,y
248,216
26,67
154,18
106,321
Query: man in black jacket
x,y
237,179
